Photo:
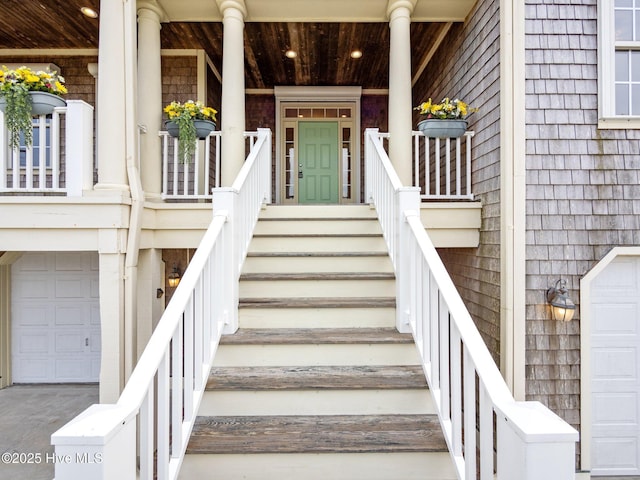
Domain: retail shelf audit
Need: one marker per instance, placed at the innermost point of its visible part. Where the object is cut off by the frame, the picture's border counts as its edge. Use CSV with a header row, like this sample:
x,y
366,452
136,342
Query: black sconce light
x,y
562,307
174,277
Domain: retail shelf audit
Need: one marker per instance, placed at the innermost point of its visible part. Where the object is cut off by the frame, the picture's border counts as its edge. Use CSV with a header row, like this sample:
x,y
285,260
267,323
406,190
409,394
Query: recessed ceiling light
x,y
356,54
89,12
291,54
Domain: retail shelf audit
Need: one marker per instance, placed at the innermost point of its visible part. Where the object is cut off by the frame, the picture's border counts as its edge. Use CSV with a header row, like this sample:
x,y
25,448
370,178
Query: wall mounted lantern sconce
x,y
562,307
174,277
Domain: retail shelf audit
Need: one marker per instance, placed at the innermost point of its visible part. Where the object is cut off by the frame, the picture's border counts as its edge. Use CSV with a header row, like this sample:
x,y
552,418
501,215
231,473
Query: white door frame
x,y
585,350
285,94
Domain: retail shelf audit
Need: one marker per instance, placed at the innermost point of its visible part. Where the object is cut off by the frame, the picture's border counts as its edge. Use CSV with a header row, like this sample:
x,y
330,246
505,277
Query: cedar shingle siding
x,y
583,189
467,66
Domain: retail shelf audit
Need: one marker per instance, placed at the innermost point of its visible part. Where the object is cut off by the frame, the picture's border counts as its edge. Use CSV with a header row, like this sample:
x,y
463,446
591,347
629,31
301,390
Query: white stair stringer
x,y
317,383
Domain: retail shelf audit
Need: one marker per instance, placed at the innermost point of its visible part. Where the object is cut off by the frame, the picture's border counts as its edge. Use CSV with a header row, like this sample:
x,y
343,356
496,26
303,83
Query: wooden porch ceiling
x,y
323,48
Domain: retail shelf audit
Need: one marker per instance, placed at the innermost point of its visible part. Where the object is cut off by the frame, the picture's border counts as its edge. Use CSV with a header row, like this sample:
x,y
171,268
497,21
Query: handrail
x,y
180,352
474,405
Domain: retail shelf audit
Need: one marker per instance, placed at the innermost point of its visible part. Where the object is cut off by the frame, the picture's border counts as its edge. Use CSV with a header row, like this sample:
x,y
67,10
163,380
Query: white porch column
x,y
232,111
112,170
399,13
150,14
112,375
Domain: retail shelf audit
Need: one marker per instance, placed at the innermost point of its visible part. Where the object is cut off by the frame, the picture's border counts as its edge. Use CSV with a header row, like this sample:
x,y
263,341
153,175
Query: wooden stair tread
x,y
317,235
314,336
317,434
318,276
317,302
382,377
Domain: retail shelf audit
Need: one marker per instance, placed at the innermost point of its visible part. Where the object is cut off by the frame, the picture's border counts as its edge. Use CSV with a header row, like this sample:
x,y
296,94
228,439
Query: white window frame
x,y
607,117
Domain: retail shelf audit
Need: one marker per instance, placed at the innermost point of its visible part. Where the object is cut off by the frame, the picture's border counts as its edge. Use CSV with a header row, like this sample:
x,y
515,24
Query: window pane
x,y
624,25
622,66
624,3
622,100
635,100
635,66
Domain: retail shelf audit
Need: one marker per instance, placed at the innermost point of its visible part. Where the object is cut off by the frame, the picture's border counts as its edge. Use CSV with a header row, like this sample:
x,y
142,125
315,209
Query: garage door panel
x,y
615,319
37,369
70,370
32,342
32,315
619,277
33,262
95,315
71,288
614,363
617,408
33,287
618,455
70,315
94,289
67,342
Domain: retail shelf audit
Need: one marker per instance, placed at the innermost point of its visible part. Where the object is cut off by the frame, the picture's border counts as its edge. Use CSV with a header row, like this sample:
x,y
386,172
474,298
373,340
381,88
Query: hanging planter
x,y
443,128
25,93
445,119
203,128
189,122
43,103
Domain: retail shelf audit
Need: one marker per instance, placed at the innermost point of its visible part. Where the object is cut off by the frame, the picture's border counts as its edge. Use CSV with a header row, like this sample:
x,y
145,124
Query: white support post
x,y
107,452
534,443
224,199
79,148
409,202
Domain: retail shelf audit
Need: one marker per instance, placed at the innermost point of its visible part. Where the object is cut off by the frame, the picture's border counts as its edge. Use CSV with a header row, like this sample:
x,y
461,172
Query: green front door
x,y
318,179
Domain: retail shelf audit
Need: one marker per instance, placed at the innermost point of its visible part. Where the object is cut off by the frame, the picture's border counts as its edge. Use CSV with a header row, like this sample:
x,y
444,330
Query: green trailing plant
x,y
184,114
15,86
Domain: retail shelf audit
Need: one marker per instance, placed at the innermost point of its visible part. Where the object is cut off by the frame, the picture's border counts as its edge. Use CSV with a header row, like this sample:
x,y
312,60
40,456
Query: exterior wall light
x,y
174,277
562,307
89,12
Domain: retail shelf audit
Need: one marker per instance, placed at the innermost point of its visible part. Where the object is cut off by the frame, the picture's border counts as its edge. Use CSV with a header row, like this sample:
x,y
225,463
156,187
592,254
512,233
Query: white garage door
x,y
615,344
55,318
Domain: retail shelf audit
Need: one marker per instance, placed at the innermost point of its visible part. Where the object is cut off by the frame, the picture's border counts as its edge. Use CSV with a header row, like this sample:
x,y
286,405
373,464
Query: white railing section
x,y
442,166
476,410
145,434
195,179
60,159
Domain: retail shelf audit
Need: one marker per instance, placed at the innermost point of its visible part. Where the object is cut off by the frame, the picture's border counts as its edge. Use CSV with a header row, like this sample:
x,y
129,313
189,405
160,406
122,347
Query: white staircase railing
x,y
476,410
151,423
60,159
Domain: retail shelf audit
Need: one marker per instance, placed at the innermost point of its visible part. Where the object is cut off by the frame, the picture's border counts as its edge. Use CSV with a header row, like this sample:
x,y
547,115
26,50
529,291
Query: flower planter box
x,y
443,128
42,103
203,128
